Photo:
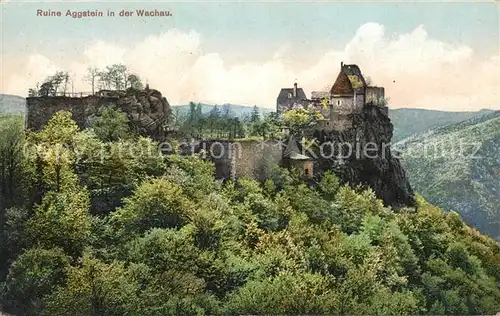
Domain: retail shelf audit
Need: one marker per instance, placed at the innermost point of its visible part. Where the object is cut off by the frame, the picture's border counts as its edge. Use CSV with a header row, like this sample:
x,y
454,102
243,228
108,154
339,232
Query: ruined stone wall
x,y
244,159
255,156
39,110
374,95
360,103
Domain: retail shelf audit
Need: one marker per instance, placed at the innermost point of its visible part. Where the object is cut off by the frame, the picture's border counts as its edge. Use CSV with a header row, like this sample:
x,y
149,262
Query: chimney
x,y
295,90
341,64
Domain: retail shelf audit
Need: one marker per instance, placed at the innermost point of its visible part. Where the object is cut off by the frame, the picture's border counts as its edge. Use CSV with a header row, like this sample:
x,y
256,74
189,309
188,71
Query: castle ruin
x,y
348,95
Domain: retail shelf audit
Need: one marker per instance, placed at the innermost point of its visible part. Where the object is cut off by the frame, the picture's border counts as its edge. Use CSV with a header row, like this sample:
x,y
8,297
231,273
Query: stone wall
x,y
39,110
342,104
375,95
245,159
359,103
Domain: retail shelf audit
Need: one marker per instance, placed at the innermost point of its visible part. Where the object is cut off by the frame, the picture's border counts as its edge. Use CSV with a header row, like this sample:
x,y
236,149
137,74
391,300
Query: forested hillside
x,y
182,243
408,122
458,168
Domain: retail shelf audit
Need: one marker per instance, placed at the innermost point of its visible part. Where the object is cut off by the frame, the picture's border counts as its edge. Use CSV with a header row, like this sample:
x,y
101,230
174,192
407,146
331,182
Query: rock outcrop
x,y
362,155
146,109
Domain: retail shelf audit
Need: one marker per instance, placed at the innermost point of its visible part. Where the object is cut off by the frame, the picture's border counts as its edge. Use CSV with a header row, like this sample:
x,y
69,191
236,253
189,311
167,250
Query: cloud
x,y
416,69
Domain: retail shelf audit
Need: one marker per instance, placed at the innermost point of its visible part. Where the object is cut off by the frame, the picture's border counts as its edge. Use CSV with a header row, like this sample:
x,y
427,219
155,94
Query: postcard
x,y
249,157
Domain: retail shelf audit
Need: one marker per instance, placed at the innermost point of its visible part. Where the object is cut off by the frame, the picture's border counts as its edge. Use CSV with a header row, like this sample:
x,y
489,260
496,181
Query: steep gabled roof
x,y
342,85
355,75
350,79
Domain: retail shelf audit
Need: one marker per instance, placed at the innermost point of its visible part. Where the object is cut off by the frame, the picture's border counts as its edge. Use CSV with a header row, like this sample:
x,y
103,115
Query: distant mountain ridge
x,y
408,122
12,104
457,167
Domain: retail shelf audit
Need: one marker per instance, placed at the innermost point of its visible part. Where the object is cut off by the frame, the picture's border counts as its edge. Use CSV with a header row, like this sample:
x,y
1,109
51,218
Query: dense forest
x,y
98,222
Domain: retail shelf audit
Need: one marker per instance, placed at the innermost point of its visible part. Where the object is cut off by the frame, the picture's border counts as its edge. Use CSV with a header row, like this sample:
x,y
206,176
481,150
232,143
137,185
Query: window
x,y
339,102
289,95
306,171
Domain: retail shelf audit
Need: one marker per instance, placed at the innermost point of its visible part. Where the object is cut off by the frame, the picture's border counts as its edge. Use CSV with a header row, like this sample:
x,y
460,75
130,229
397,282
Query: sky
x,y
433,55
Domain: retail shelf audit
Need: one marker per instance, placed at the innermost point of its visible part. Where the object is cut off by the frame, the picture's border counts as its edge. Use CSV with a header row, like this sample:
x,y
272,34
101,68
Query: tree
x,y
156,203
116,76
177,119
135,82
270,127
53,160
34,274
104,80
287,293
52,84
60,80
47,89
32,93
62,220
95,288
214,120
301,119
11,158
91,77
368,81
111,125
255,116
329,185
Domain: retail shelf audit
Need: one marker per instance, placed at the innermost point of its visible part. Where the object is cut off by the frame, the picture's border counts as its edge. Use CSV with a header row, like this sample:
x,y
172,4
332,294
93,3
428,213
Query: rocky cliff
x,y
362,155
146,109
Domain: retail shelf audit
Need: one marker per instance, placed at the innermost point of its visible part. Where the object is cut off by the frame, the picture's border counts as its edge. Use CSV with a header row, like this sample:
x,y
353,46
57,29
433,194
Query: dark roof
x,y
355,77
283,96
353,70
292,151
342,85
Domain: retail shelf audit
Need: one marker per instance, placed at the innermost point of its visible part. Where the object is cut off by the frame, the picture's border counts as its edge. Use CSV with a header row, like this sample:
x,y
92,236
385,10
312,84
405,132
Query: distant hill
x,y
12,104
412,121
235,110
444,168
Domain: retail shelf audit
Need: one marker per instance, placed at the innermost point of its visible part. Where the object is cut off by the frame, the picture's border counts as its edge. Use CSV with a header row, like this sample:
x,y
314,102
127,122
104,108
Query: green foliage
x,y
329,185
111,125
156,203
456,167
212,122
11,147
34,274
287,293
62,220
57,83
301,118
95,288
182,243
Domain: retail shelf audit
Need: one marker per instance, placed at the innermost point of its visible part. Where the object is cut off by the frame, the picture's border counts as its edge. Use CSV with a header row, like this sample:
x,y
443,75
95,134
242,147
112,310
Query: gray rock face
x,y
147,109
362,155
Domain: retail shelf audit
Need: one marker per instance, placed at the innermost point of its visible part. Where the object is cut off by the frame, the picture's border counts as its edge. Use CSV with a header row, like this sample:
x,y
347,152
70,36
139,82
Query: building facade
x,y
290,97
